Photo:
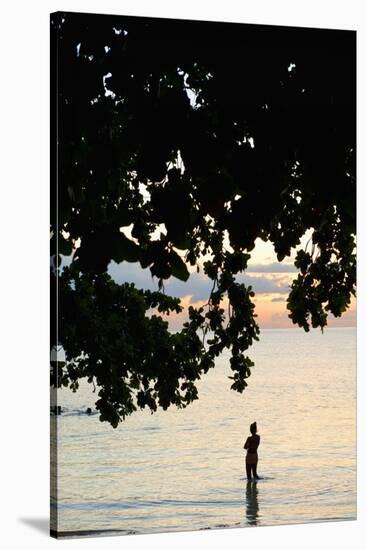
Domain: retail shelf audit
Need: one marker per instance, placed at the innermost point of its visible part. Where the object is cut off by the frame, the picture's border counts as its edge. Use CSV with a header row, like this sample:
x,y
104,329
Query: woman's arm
x,y
246,444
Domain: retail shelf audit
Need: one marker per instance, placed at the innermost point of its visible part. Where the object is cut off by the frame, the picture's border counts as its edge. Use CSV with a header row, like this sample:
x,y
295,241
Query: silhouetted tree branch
x,y
204,130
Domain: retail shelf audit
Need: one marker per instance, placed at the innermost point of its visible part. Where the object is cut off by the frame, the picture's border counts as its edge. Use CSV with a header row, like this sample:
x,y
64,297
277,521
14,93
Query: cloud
x,y
176,320
279,299
267,283
127,272
282,320
198,285
273,267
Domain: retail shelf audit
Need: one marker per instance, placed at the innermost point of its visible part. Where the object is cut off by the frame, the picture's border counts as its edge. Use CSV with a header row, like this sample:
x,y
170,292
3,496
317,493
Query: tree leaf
x,y
179,268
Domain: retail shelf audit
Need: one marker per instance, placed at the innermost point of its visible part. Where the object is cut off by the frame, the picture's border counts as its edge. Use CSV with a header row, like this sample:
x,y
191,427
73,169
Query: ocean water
x,y
185,469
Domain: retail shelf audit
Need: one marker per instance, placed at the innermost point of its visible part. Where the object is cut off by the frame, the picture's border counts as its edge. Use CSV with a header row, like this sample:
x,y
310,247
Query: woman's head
x,y
253,428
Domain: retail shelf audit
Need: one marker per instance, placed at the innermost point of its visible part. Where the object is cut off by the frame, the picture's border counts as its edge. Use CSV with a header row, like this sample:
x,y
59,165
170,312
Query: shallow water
x,y
184,469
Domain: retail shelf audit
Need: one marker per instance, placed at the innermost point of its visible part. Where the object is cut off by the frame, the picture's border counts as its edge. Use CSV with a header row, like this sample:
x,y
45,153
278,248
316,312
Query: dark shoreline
x,y
119,532
89,533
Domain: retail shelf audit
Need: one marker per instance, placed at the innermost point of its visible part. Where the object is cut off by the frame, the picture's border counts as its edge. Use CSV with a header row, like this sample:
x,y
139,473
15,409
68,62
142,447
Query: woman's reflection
x,y
252,507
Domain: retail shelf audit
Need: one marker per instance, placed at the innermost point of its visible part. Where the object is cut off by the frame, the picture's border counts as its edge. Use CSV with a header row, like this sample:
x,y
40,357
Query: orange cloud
x,y
270,309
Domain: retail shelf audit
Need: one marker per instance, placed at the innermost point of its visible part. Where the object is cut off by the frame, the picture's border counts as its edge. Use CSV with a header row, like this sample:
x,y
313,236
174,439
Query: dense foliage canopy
x,y
200,131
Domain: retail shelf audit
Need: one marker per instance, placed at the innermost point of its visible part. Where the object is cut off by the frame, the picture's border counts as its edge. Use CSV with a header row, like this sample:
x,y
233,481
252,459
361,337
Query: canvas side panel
x,y
54,298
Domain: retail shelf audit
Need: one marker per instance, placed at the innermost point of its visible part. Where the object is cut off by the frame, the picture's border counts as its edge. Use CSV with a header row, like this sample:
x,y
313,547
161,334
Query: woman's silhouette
x,y
251,445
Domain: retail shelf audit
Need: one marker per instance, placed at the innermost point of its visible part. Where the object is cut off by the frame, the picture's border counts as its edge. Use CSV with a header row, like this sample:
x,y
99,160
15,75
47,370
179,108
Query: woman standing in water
x,y
251,445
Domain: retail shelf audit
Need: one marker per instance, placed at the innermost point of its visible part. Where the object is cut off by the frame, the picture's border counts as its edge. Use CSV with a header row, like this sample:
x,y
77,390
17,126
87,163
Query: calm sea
x,y
184,469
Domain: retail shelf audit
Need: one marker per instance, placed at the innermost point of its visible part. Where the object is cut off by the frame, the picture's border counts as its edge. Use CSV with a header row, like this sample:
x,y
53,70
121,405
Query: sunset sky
x,y
269,278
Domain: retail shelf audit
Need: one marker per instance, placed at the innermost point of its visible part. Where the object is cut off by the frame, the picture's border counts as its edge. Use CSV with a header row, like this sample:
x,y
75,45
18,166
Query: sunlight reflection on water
x,y
184,469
